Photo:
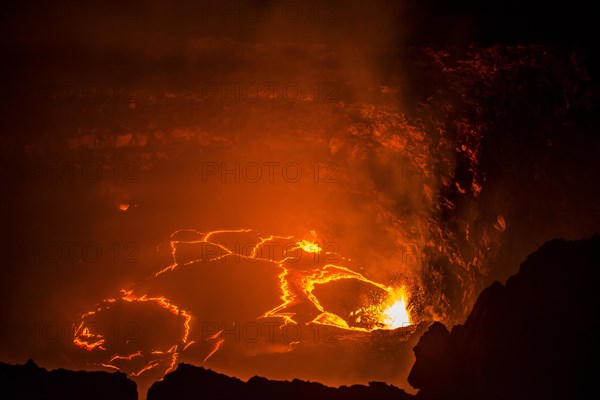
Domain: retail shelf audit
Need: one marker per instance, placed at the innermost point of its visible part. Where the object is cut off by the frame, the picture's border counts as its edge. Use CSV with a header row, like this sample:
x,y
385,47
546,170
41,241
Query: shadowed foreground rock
x,y
190,382
533,338
28,381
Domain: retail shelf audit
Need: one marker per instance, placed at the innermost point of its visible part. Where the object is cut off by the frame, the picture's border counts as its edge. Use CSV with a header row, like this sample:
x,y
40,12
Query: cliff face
x,y
531,338
196,382
28,381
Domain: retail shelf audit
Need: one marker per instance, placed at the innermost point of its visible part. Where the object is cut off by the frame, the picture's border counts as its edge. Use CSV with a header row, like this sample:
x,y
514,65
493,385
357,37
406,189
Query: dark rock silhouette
x,y
533,338
188,382
28,381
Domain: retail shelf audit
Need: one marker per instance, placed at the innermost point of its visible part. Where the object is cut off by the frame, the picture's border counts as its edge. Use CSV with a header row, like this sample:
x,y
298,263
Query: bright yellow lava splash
x,y
396,314
296,284
309,247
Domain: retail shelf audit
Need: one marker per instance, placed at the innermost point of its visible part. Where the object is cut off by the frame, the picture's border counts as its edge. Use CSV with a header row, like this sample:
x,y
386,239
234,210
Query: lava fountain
x,y
396,315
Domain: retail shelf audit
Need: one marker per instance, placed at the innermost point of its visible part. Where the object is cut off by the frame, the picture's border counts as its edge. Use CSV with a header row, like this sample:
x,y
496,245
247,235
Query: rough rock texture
x,y
28,381
533,338
190,382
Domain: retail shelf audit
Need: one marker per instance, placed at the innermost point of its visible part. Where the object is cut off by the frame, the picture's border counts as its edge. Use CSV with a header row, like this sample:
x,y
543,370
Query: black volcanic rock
x,y
533,338
190,382
28,381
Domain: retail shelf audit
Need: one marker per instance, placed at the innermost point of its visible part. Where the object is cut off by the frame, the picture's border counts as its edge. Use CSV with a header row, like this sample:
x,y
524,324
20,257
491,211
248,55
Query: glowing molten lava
x,y
309,247
396,315
302,268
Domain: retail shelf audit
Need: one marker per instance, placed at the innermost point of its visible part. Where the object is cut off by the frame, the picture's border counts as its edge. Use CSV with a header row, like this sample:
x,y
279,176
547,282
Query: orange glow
x,y
396,315
216,348
89,341
149,366
297,284
309,247
129,357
